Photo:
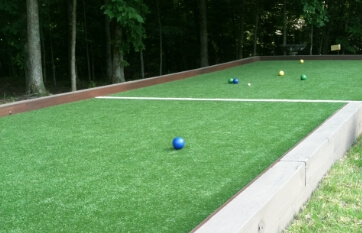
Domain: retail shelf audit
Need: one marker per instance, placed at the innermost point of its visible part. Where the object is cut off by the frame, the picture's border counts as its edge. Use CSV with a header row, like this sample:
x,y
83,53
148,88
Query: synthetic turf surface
x,y
106,166
326,80
109,166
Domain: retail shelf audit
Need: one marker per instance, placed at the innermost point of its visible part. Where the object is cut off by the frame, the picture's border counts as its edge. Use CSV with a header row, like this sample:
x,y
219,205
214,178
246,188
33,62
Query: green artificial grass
x,y
109,166
326,80
336,205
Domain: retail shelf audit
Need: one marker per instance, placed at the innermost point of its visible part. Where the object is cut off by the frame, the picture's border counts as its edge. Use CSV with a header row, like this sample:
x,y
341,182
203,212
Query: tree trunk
x,y
142,64
43,55
327,40
35,74
160,35
241,41
86,43
204,57
53,63
321,41
256,26
51,49
108,48
117,65
73,17
12,68
284,25
311,41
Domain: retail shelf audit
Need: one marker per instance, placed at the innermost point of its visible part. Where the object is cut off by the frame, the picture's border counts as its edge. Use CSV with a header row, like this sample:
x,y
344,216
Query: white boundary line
x,y
226,100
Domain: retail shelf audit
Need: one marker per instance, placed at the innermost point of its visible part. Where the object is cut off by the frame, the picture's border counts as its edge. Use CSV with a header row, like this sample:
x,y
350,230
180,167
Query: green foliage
x,y
19,61
13,33
315,12
130,15
92,84
11,7
352,40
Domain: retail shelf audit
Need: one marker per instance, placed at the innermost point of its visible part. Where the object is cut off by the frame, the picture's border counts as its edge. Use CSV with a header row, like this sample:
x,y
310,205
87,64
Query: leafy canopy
x,y
130,15
315,12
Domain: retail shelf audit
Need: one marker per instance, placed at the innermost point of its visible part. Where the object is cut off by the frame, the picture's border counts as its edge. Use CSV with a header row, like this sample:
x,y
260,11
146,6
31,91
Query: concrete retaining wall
x,y
271,201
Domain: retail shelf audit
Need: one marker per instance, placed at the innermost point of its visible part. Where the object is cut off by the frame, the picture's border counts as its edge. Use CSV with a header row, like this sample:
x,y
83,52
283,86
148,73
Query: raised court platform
x,y
270,201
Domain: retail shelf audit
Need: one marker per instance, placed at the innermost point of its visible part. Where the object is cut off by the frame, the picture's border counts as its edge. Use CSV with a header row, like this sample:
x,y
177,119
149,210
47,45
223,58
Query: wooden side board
x,y
47,101
33,104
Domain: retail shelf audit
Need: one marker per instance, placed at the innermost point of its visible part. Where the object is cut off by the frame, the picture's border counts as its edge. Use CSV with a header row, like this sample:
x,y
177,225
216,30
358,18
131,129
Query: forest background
x,y
52,46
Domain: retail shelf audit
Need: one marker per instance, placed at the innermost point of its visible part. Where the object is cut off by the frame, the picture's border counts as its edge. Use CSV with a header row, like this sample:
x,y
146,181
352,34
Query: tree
x,y
108,45
315,15
242,31
175,36
204,57
257,9
160,33
73,34
35,75
86,40
284,24
128,31
13,37
350,35
118,62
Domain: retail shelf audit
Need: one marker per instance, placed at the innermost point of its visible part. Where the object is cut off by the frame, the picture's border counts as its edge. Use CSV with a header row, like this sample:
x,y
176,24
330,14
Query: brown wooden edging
x,y
311,57
47,101
42,102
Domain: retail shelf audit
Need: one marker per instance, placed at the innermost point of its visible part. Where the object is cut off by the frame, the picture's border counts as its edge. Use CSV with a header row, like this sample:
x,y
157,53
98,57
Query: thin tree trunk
x,y
327,40
53,63
160,35
51,50
86,43
73,73
241,43
108,48
142,64
311,41
26,68
92,63
321,43
44,58
13,69
256,26
284,25
34,74
204,57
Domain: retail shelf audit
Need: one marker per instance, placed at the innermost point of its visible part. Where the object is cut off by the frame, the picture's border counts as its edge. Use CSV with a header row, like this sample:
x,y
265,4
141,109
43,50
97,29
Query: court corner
x,y
271,201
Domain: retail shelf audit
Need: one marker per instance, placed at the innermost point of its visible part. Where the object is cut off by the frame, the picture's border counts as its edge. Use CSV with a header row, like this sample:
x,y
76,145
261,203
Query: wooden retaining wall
x,y
42,102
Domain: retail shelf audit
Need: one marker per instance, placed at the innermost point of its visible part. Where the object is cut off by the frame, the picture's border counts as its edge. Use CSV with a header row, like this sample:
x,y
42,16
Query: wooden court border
x,y
53,100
